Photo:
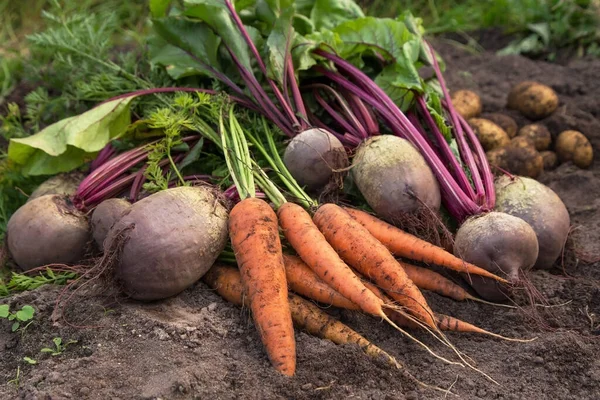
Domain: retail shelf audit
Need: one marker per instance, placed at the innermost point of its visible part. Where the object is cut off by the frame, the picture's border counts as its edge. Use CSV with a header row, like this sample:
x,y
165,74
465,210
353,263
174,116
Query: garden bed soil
x,y
196,346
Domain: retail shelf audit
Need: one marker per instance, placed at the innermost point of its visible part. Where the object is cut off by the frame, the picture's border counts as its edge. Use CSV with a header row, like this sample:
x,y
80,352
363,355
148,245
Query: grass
x,y
539,26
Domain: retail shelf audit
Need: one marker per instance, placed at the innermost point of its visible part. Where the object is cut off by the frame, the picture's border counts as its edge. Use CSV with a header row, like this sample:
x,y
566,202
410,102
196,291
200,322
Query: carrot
x,y
302,280
254,235
444,322
227,282
310,244
367,255
448,323
310,318
427,279
404,244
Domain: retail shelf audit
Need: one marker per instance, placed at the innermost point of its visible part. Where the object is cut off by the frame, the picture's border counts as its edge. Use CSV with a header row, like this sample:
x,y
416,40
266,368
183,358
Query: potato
x,y
574,146
490,135
550,159
539,134
521,141
505,122
524,161
532,99
466,103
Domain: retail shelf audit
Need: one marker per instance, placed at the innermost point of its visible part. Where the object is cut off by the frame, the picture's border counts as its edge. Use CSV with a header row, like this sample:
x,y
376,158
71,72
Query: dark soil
x,y
196,346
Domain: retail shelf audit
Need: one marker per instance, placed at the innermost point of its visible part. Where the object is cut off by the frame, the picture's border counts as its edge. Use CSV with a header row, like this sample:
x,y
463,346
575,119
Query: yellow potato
x,y
521,141
539,134
533,100
574,146
550,159
505,122
523,161
467,103
490,135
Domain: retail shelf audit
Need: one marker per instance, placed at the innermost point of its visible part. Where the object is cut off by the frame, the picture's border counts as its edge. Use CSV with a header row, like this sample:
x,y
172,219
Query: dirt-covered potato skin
x,y
394,178
467,103
574,146
550,160
47,230
490,135
522,141
532,99
539,134
172,238
541,208
508,124
525,161
500,243
104,216
313,156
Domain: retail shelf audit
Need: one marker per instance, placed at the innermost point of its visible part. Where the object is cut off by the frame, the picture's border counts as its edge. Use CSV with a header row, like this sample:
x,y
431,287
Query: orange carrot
x,y
227,282
310,244
430,280
302,280
448,323
404,244
310,318
367,255
445,322
255,241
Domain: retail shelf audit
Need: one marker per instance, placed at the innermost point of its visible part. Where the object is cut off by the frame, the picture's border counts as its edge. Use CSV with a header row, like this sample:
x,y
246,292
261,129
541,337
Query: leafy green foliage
x,y
540,26
29,360
59,346
23,315
189,112
22,282
69,143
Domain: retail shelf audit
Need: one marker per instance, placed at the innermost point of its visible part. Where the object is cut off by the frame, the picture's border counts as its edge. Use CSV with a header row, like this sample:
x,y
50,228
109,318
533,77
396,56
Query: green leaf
x,y
30,360
330,13
269,10
216,15
400,79
187,47
279,44
193,155
15,326
158,8
57,342
543,30
4,310
69,143
25,313
382,36
47,350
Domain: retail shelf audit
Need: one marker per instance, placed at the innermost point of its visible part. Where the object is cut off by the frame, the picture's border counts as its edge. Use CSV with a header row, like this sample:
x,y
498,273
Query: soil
x,y
196,346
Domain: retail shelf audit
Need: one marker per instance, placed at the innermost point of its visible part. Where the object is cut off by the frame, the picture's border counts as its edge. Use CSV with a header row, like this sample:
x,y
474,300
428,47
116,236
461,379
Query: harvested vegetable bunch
x,y
420,113
314,156
154,165
322,243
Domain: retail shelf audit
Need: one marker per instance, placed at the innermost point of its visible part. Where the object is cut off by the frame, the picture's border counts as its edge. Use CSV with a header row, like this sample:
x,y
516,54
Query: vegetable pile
x,y
296,153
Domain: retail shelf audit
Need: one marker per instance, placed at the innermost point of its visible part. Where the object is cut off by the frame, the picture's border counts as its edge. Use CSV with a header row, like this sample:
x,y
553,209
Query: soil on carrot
x,y
196,346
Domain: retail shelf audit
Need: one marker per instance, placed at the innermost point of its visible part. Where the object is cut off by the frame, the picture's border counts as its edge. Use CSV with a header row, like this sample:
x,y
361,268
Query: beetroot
x,y
104,216
394,178
499,243
541,208
314,157
167,241
46,230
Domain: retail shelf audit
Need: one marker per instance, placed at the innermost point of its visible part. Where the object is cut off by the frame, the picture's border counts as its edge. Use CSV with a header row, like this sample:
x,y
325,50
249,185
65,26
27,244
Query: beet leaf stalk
x,y
460,198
